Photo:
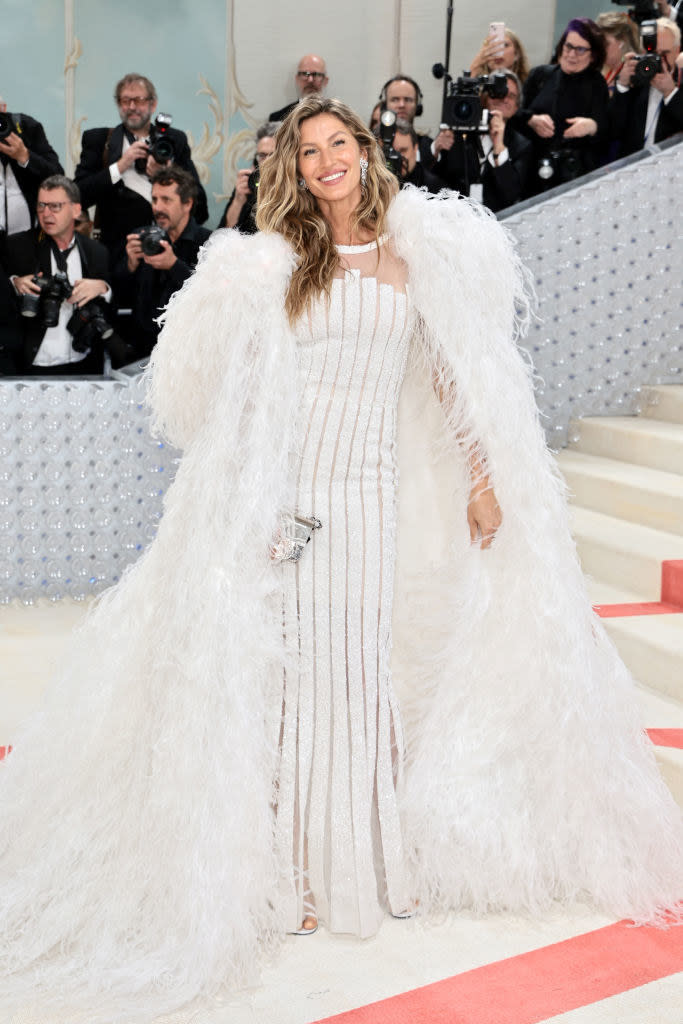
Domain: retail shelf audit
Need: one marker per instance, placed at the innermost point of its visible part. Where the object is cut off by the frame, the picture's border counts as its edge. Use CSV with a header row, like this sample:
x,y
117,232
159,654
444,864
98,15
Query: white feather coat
x,y
137,865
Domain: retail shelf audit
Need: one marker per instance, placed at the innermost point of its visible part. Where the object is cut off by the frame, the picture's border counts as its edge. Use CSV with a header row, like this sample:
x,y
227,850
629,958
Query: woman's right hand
x,y
489,50
543,125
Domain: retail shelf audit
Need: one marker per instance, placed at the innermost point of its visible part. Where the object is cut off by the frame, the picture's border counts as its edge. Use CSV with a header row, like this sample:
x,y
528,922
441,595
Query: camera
x,y
87,325
649,63
47,304
151,236
463,110
158,142
6,126
387,130
641,10
564,164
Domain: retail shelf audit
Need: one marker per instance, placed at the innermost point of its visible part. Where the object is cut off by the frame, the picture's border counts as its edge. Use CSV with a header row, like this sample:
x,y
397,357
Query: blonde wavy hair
x,y
292,211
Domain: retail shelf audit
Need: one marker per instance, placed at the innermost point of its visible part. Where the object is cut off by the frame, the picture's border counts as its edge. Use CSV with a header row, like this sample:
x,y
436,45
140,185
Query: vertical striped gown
x,y
340,740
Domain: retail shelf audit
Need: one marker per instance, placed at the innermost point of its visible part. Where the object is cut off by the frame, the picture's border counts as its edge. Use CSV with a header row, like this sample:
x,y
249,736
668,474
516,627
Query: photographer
x,y
61,278
159,260
647,105
26,157
403,96
498,163
113,171
240,210
564,108
412,172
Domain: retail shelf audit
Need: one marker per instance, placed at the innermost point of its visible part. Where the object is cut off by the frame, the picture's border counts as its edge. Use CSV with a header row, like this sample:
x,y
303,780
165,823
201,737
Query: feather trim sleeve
x,y
220,303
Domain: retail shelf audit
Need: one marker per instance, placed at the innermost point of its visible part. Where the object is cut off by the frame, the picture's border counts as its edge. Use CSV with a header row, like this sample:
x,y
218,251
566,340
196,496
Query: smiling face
x,y
329,160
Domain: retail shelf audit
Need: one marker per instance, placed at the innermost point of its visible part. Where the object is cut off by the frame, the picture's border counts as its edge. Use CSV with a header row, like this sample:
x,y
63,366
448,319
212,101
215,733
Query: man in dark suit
x,y
310,79
153,278
493,168
26,158
406,144
115,164
403,96
643,114
57,248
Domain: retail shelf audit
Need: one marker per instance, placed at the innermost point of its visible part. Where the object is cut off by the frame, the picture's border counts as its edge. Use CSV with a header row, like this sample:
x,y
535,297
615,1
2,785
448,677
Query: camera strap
x,y
62,255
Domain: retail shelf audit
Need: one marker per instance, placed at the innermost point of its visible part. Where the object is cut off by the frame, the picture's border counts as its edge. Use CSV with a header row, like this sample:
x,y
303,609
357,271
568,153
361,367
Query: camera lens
x,y
464,110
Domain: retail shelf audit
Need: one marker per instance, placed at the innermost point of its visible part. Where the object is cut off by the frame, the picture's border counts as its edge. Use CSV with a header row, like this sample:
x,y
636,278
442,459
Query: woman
x,y
513,57
565,107
621,37
238,741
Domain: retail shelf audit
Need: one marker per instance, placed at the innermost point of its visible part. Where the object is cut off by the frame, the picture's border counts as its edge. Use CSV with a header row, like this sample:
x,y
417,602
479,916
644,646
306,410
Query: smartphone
x,y
497,34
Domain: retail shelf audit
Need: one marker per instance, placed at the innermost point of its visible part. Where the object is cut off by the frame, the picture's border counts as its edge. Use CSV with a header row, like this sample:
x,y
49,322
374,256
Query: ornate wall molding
x,y
73,51
210,142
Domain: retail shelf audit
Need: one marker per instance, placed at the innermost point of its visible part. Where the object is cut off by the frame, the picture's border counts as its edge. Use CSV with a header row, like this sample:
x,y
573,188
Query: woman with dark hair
x,y
564,107
415,710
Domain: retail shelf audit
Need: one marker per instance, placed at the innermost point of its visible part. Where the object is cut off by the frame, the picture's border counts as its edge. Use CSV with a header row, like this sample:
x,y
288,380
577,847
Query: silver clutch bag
x,y
294,534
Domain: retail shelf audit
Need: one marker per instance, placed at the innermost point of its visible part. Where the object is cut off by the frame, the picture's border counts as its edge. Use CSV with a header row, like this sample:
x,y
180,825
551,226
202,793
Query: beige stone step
x,y
638,494
650,645
662,713
639,440
664,402
622,553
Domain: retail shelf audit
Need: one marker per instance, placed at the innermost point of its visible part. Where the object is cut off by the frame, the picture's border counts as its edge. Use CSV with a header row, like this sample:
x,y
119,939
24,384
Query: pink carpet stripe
x,y
672,582
534,986
666,737
614,611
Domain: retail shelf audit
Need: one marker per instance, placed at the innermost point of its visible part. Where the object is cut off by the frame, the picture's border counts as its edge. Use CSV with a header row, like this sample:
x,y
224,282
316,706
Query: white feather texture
x,y
137,860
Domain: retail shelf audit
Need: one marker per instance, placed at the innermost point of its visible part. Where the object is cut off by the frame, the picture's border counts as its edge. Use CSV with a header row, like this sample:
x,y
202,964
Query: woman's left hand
x,y
579,127
483,513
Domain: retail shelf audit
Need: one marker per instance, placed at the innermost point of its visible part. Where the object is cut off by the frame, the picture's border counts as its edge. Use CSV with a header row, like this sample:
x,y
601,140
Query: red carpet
x,y
666,737
614,611
530,988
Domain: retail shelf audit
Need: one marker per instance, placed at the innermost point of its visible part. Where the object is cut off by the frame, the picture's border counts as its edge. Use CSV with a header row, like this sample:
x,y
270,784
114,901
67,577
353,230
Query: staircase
x,y
625,476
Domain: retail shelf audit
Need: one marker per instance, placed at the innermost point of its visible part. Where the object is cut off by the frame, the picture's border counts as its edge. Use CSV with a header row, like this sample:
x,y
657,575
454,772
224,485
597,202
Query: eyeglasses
x,y
52,207
133,101
260,157
317,76
580,51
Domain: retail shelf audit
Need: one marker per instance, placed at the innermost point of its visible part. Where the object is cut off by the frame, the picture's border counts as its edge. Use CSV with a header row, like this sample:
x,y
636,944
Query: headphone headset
x,y
402,78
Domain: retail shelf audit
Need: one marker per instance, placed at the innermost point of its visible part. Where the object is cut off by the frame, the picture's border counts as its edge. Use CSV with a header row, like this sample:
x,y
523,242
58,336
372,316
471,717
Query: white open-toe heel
x,y
309,915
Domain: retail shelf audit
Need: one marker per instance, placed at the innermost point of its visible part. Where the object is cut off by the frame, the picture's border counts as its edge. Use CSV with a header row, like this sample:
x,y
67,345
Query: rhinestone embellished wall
x,y
82,481
606,259
81,485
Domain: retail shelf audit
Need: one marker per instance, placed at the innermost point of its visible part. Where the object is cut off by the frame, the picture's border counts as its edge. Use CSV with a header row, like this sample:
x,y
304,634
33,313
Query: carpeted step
x,y
664,402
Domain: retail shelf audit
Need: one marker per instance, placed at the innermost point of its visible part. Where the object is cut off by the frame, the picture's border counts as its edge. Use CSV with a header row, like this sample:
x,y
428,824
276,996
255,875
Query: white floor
x,y
321,975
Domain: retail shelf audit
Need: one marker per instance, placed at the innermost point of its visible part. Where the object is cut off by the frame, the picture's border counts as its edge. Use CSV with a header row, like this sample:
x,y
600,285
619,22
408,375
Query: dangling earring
x,y
302,184
363,171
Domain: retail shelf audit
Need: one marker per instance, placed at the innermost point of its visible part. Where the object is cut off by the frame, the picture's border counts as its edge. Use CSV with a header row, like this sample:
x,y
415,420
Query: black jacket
x,y
422,179
502,186
10,329
281,114
548,90
119,209
152,289
628,115
28,252
42,159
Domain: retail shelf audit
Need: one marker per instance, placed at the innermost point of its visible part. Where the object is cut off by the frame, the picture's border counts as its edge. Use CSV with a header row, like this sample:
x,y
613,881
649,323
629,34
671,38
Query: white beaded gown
x,y
340,740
